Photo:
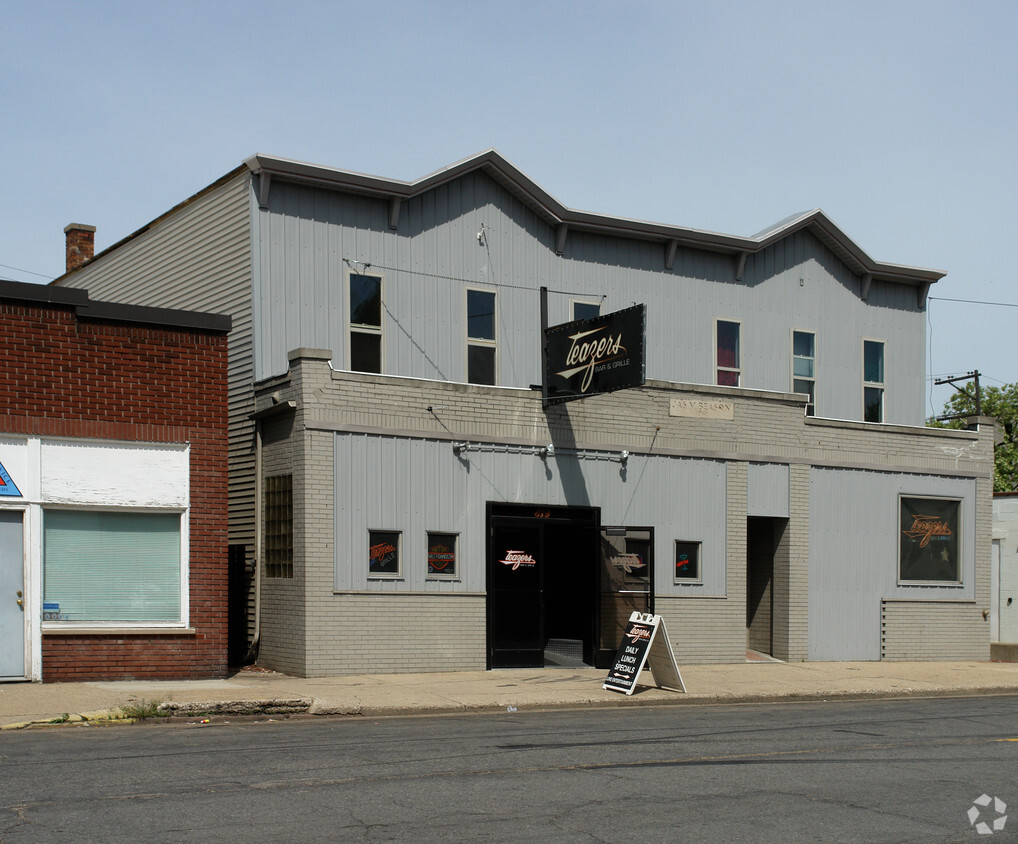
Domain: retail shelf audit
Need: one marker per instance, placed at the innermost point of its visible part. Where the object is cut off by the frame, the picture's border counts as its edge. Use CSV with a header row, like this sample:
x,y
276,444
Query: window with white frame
x,y
804,367
873,380
729,367
585,309
481,340
385,555
442,551
365,317
120,567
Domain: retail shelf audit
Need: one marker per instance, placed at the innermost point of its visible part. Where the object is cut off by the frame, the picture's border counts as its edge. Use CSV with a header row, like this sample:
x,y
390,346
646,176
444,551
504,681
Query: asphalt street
x,y
879,770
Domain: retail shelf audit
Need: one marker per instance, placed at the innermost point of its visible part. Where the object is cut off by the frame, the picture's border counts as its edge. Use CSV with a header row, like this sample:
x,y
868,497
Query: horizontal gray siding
x,y
309,238
198,258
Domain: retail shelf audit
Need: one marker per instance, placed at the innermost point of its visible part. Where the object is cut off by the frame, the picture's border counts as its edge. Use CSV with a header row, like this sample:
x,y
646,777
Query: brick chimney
x,y
80,244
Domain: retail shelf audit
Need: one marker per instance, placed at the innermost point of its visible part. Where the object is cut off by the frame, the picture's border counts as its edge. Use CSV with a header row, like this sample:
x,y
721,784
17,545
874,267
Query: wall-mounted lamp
x,y
458,448
624,457
547,451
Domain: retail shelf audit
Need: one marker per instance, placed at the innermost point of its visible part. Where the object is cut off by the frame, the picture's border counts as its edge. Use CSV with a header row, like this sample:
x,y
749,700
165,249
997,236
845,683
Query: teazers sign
x,y
591,356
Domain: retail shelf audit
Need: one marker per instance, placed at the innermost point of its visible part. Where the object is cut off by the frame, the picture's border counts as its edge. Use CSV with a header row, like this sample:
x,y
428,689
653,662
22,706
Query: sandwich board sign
x,y
645,642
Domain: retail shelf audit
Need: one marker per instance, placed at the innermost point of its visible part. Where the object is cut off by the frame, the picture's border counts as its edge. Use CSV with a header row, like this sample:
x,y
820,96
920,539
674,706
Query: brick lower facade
x,y
74,370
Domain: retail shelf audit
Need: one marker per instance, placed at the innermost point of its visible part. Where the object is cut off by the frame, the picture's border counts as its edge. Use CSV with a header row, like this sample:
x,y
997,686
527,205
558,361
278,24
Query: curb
x,y
325,708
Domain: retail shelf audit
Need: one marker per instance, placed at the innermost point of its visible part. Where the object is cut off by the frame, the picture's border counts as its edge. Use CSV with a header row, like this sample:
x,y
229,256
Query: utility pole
x,y
976,397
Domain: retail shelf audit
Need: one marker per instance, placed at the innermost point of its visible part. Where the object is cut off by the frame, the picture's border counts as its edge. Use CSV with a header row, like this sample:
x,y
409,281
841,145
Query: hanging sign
x,y
591,356
645,642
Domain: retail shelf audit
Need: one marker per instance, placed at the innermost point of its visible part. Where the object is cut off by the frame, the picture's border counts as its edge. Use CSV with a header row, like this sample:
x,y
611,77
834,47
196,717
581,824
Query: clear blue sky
x,y
897,118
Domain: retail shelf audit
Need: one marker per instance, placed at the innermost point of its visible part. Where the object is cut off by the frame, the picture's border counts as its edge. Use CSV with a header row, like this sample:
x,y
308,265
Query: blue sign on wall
x,y
7,486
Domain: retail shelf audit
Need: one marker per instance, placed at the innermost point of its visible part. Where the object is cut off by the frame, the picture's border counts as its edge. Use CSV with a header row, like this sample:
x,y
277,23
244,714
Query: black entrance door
x,y
543,582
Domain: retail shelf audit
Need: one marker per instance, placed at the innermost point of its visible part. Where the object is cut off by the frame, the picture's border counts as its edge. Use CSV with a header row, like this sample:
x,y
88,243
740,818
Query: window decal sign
x,y
515,559
587,357
7,486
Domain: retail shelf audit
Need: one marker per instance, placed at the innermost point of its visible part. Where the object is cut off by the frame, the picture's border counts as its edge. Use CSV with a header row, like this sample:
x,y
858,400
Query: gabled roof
x,y
556,214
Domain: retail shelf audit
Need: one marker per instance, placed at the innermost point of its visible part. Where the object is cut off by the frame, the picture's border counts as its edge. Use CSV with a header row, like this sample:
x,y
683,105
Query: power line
x,y
974,302
30,272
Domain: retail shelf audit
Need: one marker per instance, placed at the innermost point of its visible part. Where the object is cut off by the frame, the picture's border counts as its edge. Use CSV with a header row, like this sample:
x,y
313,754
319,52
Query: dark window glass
x,y
873,399
442,555
728,378
480,315
929,540
802,345
687,561
585,310
873,362
728,344
383,553
366,300
365,352
481,364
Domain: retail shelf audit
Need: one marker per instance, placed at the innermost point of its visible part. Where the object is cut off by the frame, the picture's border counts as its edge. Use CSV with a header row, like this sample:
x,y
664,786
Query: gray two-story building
x,y
408,500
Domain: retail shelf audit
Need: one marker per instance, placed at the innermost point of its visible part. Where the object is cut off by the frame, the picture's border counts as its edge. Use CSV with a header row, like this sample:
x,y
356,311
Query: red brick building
x,y
113,488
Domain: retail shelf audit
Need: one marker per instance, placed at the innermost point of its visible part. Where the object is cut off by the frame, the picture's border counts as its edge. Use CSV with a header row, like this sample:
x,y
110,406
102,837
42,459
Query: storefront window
x,y
929,549
111,567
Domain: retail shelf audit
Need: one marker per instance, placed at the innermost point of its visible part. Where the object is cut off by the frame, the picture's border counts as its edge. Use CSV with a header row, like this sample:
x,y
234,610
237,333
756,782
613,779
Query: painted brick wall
x,y
767,427
69,376
933,630
281,641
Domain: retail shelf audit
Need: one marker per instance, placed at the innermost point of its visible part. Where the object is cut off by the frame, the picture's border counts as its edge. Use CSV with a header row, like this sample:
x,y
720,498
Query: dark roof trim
x,y
76,298
558,215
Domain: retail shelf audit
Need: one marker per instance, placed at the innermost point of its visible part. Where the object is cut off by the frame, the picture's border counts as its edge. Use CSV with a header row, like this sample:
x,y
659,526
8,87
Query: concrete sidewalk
x,y
253,691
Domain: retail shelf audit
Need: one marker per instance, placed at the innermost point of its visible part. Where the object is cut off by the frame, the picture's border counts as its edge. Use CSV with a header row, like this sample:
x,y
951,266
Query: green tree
x,y
1002,403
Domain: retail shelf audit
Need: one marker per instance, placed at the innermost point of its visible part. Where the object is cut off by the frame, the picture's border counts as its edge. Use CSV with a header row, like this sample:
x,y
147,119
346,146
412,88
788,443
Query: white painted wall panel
x,y
114,475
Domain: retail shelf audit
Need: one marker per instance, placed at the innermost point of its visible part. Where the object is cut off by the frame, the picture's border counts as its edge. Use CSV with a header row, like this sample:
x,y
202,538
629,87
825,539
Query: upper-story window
x,y
585,310
365,323
804,367
481,340
729,367
873,380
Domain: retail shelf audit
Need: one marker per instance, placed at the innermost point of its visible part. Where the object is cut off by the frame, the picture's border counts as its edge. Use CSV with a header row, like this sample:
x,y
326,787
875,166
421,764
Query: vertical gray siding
x,y
389,483
853,563
307,236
